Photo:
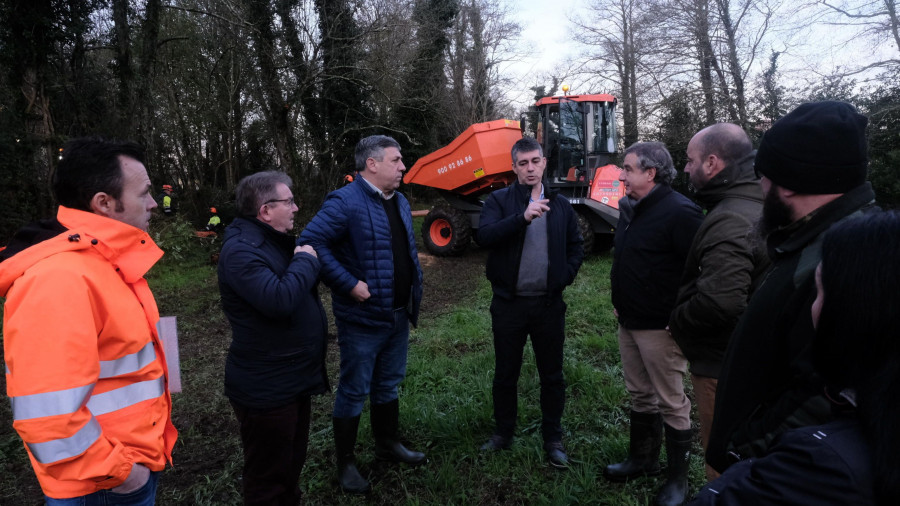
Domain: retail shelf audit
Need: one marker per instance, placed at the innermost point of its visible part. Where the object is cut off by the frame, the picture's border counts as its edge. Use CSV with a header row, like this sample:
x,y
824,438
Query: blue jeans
x,y
373,361
144,496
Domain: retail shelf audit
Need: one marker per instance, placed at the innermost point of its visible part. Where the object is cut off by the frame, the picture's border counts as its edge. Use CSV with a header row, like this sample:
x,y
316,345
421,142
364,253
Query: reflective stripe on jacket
x,y
85,369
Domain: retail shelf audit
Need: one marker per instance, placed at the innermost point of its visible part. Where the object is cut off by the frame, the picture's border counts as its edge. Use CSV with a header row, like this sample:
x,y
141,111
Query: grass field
x,y
445,406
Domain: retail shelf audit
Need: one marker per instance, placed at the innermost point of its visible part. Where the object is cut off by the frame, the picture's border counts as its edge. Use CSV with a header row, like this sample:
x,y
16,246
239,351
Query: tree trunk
x,y
146,72
734,65
124,70
705,58
629,79
275,107
235,151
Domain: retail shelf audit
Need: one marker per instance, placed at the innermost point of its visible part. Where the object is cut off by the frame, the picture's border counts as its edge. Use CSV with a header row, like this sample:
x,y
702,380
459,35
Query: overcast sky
x,y
545,29
811,51
545,25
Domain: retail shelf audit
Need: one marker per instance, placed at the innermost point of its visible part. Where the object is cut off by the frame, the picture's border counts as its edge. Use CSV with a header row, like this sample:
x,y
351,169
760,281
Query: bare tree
x,y
276,106
202,94
390,44
730,25
712,46
696,17
874,21
420,111
619,35
482,38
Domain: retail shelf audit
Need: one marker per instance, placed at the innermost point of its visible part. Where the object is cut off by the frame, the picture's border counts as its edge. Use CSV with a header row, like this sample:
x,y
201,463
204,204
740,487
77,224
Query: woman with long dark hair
x,y
856,458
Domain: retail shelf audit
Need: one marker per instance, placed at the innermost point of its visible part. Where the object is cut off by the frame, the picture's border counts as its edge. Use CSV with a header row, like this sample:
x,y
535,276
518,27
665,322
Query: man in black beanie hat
x,y
813,165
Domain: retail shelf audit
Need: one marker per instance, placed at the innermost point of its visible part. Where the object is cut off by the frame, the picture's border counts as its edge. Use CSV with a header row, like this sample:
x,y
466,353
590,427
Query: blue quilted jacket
x,y
352,237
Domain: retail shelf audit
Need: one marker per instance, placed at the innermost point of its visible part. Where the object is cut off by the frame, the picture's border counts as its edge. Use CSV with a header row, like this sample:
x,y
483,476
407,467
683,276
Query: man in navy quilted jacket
x,y
364,237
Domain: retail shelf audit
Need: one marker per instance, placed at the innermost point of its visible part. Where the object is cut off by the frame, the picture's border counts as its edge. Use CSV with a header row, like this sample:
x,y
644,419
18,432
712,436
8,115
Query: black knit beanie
x,y
817,148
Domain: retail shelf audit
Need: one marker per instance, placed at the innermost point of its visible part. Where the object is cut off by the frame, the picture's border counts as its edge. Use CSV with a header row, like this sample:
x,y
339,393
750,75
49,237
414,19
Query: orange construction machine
x,y
578,135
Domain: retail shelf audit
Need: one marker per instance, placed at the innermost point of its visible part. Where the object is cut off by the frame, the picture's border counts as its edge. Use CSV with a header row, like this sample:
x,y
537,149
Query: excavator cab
x,y
577,133
578,136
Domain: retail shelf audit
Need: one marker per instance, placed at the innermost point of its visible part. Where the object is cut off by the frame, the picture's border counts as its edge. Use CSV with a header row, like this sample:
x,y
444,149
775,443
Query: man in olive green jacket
x,y
725,261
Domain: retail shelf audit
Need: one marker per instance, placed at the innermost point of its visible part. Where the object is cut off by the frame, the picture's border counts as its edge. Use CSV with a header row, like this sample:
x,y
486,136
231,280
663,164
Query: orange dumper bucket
x,y
478,158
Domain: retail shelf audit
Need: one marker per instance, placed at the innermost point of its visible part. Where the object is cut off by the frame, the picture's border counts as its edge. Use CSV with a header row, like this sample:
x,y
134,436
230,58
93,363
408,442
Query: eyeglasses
x,y
289,201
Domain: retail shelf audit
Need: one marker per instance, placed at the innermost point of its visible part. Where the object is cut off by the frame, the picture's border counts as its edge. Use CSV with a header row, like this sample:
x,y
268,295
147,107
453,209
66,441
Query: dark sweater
x,y
502,230
400,249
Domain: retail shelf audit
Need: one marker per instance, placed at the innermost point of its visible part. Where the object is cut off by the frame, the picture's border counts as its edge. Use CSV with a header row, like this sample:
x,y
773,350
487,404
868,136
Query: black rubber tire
x,y
446,231
587,233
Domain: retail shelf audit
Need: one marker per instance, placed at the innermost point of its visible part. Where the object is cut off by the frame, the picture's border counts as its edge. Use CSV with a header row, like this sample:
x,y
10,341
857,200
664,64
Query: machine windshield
x,y
565,129
604,131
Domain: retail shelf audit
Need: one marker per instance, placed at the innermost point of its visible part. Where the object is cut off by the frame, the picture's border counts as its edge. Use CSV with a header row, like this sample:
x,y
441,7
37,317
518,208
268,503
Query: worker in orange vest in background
x,y
168,201
215,223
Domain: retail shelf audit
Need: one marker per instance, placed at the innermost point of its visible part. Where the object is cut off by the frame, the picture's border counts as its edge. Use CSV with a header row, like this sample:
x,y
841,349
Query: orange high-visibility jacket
x,y
85,369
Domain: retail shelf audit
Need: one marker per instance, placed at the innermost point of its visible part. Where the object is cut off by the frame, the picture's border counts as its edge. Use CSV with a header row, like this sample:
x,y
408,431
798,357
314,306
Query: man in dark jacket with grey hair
x,y
726,260
652,241
276,360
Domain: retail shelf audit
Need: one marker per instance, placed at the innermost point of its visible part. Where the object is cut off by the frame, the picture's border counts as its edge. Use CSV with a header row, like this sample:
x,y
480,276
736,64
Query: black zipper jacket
x,y
651,244
767,384
502,230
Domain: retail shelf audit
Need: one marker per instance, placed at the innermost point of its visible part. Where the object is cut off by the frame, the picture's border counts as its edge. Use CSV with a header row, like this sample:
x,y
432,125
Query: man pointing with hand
x,y
534,255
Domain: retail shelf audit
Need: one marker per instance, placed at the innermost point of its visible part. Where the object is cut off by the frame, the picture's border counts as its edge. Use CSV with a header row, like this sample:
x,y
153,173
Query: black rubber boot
x,y
674,491
643,449
385,420
345,442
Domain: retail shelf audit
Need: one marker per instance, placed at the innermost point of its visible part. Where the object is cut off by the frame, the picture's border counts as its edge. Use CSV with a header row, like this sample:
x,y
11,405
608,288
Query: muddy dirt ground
x,y
449,279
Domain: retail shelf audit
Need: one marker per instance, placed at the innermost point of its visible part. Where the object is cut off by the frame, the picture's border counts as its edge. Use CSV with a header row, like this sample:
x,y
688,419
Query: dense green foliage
x,y
219,90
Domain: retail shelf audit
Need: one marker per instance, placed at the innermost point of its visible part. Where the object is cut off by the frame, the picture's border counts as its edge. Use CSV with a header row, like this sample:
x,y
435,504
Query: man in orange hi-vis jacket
x,y
85,369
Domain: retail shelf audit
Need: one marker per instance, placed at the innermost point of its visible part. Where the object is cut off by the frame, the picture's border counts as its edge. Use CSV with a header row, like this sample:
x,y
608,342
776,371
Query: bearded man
x,y
813,166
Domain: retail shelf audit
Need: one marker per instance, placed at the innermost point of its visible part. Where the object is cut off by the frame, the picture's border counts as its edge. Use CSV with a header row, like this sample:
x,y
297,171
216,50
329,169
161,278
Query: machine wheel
x,y
587,233
446,231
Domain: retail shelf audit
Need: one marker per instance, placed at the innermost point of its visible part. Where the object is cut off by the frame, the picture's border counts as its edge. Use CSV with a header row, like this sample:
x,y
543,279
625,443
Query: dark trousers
x,y
274,442
544,319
